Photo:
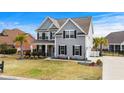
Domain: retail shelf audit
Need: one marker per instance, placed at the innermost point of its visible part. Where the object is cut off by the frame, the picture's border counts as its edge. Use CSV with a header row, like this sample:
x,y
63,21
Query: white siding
x,y
89,42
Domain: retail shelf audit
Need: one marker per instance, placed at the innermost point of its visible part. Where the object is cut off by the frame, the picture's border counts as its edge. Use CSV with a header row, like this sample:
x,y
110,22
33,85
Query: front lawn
x,y
50,70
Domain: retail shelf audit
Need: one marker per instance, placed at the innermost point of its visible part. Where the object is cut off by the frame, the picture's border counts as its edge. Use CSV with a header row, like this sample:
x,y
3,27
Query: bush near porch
x,y
50,70
111,53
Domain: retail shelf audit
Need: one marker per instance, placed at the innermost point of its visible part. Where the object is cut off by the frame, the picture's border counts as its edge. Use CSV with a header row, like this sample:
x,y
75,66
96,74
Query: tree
x,y
99,42
3,48
21,39
96,42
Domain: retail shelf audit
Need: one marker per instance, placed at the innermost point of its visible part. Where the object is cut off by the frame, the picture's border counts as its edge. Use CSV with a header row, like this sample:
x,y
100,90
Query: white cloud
x,y
106,24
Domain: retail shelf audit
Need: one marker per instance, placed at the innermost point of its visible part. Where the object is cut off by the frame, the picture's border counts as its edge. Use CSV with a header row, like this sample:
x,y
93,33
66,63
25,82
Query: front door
x,y
43,50
50,50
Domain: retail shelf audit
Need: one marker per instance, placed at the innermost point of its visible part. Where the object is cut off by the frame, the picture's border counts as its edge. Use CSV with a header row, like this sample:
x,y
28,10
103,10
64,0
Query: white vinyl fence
x,y
94,54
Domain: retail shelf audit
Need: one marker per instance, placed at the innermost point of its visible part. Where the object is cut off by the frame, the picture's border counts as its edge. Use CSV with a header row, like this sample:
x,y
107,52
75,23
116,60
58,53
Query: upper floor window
x,y
66,34
43,36
69,34
52,35
72,34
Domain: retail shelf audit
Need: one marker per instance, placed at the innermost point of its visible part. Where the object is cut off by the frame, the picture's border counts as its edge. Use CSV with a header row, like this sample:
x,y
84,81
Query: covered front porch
x,y
116,47
45,47
46,50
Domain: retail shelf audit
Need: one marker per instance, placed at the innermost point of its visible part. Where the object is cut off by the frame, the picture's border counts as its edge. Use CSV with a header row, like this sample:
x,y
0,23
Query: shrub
x,y
99,62
8,51
92,64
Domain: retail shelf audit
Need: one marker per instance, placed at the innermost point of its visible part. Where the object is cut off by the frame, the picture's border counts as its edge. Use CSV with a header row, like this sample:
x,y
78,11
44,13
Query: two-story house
x,y
65,38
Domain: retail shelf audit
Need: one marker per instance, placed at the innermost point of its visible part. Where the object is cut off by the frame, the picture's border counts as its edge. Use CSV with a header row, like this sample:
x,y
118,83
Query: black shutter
x,y
59,50
80,50
63,34
37,47
38,35
65,50
73,50
75,33
50,35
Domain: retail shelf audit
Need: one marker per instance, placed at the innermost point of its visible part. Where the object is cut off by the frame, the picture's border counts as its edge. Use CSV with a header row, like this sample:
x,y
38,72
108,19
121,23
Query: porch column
x,y
120,47
31,47
46,50
114,47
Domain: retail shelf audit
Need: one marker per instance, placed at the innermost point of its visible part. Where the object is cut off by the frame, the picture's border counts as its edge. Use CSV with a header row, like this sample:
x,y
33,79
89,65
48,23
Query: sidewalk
x,y
3,77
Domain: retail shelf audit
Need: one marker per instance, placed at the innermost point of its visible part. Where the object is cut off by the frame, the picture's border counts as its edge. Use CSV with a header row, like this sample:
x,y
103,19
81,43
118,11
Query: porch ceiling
x,y
43,42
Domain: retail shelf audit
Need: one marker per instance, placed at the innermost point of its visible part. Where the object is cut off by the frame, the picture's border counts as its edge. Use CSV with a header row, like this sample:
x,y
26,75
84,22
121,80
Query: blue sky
x,y
104,22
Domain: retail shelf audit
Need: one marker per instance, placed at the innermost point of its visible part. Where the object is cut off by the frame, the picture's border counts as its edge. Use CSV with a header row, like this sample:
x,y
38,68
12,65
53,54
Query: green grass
x,y
50,70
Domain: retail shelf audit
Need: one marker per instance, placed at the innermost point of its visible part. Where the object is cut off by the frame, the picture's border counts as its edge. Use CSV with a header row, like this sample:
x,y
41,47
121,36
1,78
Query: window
x,y
69,34
117,47
66,34
72,34
77,50
62,50
52,35
43,35
111,47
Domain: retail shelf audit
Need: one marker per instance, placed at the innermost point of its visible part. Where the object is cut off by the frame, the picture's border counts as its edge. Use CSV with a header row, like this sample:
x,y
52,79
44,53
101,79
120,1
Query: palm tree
x,y
99,42
103,42
21,39
96,42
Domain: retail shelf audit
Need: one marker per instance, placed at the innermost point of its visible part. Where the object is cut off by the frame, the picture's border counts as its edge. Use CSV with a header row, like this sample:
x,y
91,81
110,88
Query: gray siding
x,y
69,42
46,24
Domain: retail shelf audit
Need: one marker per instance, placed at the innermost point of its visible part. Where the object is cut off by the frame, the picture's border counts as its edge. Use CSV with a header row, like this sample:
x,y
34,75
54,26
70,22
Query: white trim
x,y
62,45
46,46
42,22
50,26
69,19
70,30
69,33
77,45
79,50
55,54
80,35
43,44
114,43
64,50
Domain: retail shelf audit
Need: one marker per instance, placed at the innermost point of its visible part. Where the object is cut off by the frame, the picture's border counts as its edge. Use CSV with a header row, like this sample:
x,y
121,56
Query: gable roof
x,y
52,20
82,22
116,37
69,19
7,36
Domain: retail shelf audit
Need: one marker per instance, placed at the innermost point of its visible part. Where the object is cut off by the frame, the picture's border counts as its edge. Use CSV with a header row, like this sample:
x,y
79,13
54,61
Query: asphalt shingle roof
x,y
8,36
116,37
82,22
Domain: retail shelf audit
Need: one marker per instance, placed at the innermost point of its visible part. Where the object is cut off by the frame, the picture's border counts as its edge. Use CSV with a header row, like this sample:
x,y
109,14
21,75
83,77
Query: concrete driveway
x,y
113,67
3,77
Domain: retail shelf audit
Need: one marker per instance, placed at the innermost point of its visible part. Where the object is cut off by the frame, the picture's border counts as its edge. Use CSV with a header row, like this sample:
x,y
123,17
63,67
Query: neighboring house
x,y
116,41
65,38
8,36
